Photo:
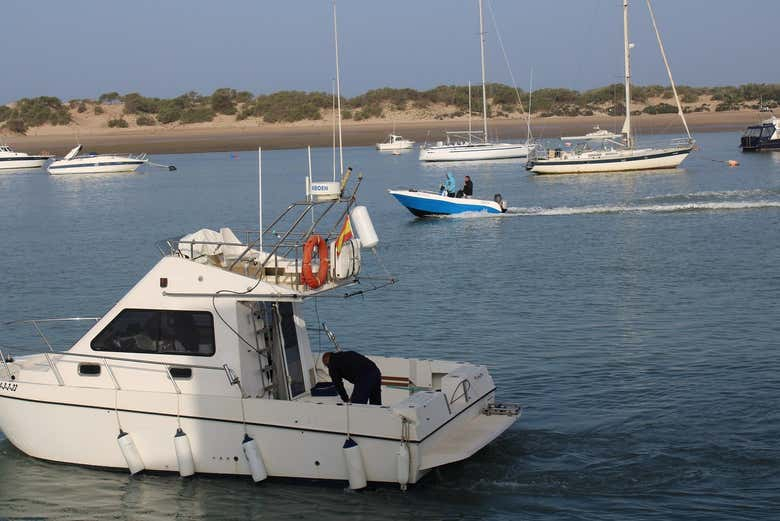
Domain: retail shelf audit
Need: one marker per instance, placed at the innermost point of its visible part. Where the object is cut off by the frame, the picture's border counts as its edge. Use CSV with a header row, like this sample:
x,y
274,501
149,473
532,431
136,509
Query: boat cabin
x,y
765,136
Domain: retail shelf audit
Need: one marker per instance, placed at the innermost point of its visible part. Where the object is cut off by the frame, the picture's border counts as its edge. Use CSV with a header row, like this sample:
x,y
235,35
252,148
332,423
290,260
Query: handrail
x,y
105,360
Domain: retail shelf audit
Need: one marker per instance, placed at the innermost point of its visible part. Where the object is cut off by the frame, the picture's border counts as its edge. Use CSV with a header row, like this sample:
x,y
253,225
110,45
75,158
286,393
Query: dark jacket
x,y
468,188
352,367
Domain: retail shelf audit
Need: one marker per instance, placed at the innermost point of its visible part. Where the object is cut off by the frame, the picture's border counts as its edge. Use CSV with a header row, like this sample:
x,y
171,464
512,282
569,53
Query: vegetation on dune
x,y
441,102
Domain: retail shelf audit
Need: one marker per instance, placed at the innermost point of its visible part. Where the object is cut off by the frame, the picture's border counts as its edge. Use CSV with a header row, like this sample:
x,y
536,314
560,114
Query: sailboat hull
x,y
619,161
474,152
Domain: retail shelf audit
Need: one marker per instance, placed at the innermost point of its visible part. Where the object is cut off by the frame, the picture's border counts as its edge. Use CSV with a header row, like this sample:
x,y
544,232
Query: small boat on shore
x,y
765,136
395,142
10,159
426,203
73,163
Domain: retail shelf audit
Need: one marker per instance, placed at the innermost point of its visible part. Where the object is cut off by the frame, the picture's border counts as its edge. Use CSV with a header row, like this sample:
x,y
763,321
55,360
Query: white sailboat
x,y
474,145
617,156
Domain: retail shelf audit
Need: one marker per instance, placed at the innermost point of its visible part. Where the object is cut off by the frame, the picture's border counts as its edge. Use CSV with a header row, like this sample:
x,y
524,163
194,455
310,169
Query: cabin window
x,y
767,132
156,331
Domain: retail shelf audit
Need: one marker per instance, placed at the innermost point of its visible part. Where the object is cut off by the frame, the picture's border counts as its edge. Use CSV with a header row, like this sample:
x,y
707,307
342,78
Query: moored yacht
x,y
10,159
73,163
613,155
395,142
205,366
765,136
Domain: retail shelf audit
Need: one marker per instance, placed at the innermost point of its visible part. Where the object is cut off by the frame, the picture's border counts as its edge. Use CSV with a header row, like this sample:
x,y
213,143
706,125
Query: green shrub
x,y
98,110
244,97
197,115
661,108
223,101
145,121
117,123
135,103
81,108
17,126
169,115
109,97
5,112
39,111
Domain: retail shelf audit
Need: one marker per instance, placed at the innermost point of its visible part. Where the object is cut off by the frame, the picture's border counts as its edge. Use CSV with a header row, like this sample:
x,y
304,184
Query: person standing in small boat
x,y
468,188
448,187
358,370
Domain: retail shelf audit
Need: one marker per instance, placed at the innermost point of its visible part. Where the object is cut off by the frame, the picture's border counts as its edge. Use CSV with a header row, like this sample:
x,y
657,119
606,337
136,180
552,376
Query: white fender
x,y
403,465
183,454
364,227
134,462
356,473
254,459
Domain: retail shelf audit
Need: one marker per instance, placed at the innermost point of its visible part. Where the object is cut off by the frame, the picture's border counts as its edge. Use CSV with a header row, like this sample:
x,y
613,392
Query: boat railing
x,y
287,236
53,355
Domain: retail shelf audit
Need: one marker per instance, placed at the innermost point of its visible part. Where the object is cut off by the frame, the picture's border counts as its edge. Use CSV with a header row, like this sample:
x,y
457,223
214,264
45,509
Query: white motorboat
x,y
474,145
205,366
395,142
10,159
619,156
598,134
73,163
425,203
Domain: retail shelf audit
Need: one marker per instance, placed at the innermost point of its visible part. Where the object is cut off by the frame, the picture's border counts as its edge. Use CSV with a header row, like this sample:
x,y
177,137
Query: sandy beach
x,y
226,134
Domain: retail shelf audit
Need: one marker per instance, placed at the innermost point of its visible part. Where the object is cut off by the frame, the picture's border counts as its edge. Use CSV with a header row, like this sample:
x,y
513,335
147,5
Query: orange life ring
x,y
311,280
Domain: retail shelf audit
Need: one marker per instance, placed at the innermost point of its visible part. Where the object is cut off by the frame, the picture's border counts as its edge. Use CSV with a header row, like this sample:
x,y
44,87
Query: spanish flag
x,y
344,236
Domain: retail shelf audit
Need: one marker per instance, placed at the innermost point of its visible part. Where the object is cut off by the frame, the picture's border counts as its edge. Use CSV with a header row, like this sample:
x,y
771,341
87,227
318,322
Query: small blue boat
x,y
423,203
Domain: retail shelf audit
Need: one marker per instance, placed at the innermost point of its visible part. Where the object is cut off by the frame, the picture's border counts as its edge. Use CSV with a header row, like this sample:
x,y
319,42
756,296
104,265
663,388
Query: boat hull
x,y
475,152
22,163
423,204
645,161
80,426
389,147
95,165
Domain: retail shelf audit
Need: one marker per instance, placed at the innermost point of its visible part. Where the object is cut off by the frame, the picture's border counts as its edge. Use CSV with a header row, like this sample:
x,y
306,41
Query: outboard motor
x,y
500,201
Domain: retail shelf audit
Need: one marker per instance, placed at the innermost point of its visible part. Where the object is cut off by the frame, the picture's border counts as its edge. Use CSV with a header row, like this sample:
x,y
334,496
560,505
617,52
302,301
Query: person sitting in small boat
x,y
468,188
360,371
448,187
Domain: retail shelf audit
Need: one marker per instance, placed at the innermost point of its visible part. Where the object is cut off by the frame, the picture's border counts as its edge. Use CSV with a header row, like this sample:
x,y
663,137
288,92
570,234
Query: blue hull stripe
x,y
24,158
423,206
87,165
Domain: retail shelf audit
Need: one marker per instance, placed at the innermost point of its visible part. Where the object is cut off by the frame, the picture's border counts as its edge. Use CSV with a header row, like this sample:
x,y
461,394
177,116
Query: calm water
x,y
634,315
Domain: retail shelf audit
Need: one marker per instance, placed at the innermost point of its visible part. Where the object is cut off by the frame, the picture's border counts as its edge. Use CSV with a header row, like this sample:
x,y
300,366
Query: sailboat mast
x,y
469,111
338,87
626,49
482,51
668,70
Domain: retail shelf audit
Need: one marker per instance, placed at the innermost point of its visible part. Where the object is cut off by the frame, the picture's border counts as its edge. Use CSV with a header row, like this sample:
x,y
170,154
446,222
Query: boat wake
x,y
703,201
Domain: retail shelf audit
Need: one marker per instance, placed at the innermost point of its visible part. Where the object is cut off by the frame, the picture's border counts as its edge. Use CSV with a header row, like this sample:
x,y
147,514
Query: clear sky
x,y
82,48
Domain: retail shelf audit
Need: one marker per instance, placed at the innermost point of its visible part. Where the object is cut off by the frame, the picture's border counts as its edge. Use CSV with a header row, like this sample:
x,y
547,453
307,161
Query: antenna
x,y
333,90
260,193
338,88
